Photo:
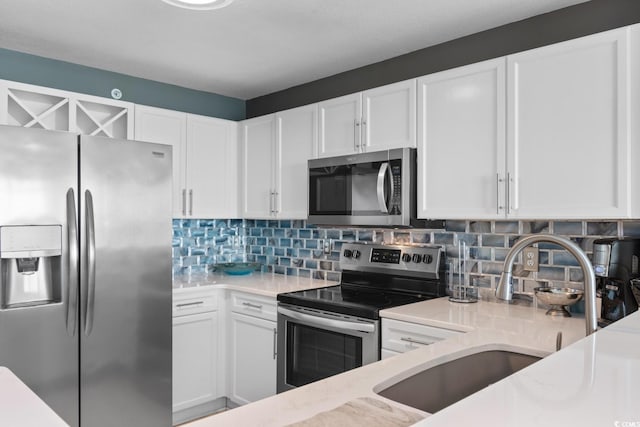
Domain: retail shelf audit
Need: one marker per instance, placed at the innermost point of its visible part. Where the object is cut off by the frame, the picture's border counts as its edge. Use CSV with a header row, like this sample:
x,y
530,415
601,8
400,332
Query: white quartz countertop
x,y
21,407
266,284
589,382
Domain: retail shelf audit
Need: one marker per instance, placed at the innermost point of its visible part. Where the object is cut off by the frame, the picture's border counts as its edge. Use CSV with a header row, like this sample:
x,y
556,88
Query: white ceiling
x,y
252,47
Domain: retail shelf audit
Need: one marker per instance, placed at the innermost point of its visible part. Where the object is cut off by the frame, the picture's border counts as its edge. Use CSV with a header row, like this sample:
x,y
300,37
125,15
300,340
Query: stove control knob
x,y
356,254
427,259
406,257
347,253
417,258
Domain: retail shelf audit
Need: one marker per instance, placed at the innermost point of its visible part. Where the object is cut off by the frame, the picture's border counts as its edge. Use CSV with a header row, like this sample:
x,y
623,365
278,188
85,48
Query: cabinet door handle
x,y
189,304
508,193
191,202
275,202
363,142
272,209
414,341
184,202
499,182
275,340
256,306
356,137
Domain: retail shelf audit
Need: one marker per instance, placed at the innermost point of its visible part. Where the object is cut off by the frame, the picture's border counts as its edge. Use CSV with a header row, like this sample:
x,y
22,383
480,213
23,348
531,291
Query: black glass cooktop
x,y
363,303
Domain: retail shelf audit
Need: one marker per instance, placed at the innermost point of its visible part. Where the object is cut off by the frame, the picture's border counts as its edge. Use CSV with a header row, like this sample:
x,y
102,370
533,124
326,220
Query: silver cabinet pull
x,y
414,341
91,263
499,182
189,304
191,202
363,142
275,202
271,202
275,339
184,202
508,193
356,136
72,248
256,306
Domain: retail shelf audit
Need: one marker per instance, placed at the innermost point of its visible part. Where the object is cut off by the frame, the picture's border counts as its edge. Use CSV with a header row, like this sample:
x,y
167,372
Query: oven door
x,y
314,344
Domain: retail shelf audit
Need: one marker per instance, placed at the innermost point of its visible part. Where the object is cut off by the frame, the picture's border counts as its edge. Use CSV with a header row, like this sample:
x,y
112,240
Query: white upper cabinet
x,y
340,125
568,129
389,116
45,108
297,136
166,127
570,120
373,120
204,160
276,149
258,145
212,167
461,144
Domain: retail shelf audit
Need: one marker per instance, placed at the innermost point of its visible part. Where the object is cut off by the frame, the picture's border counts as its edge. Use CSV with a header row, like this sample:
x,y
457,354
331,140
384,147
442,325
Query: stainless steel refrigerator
x,y
85,283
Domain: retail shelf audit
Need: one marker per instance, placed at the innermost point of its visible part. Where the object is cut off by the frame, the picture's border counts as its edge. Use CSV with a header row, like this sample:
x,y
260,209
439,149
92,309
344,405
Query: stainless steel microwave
x,y
368,189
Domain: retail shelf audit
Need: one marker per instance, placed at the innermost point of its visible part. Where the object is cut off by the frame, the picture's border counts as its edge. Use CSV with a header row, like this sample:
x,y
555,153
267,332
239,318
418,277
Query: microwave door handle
x,y
382,173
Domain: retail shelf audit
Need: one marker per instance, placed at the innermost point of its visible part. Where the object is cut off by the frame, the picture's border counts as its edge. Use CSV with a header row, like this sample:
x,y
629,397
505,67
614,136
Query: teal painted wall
x,y
37,70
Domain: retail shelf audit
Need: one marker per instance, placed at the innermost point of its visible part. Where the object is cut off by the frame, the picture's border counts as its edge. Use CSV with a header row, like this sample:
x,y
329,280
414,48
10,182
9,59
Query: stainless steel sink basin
x,y
440,386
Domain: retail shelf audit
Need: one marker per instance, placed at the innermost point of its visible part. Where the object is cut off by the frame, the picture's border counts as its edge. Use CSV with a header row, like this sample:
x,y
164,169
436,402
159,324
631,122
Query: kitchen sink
x,y
440,386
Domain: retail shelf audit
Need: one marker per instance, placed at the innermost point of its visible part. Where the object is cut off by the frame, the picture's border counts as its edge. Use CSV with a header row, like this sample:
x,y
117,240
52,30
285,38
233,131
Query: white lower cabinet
x,y
252,348
198,387
400,337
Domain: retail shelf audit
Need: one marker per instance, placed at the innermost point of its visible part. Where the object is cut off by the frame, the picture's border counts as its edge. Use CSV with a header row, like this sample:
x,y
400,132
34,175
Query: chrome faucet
x,y
504,290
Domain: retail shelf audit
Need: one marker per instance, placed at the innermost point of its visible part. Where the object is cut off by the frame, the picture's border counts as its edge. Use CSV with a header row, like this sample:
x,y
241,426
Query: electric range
x,y
322,332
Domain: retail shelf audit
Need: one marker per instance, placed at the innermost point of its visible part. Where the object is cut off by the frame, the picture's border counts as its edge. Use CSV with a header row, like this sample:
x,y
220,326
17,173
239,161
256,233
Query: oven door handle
x,y
321,321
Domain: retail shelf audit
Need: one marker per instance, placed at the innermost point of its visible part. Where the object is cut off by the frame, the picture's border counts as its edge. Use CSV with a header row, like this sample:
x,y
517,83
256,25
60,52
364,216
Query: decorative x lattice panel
x,y
37,110
102,120
52,109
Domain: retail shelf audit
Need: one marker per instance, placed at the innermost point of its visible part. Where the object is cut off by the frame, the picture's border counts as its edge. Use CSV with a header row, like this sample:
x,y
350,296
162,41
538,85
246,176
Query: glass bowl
x,y
238,268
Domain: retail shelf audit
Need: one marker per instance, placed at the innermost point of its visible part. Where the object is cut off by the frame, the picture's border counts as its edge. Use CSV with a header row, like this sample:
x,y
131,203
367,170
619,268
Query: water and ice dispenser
x,y
30,265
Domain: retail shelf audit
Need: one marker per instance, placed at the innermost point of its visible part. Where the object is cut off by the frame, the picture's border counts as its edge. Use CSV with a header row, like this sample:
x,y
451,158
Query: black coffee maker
x,y
615,263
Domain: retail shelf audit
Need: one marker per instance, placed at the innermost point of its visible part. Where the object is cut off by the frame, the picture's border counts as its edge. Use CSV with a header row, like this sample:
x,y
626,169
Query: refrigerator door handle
x,y
72,267
91,263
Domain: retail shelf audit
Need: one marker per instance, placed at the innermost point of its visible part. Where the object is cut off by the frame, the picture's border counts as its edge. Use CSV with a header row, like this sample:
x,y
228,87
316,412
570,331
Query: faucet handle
x,y
504,290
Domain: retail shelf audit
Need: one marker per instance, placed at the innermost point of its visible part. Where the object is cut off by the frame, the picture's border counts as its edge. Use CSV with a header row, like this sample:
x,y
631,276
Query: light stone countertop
x,y
488,326
265,284
21,407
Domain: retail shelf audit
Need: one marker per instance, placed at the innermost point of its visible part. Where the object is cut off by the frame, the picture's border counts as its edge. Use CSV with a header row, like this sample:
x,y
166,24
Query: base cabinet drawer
x,y
192,302
399,337
254,305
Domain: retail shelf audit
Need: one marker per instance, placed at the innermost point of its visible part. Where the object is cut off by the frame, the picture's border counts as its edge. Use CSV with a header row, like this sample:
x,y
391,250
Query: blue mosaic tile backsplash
x,y
293,247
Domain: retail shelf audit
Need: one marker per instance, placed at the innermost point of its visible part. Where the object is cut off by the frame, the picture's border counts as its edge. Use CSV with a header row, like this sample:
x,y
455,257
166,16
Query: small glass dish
x,y
238,268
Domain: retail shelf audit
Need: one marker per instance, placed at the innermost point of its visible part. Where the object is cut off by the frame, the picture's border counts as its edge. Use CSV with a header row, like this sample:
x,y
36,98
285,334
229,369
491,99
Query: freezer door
x,y
125,323
38,187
